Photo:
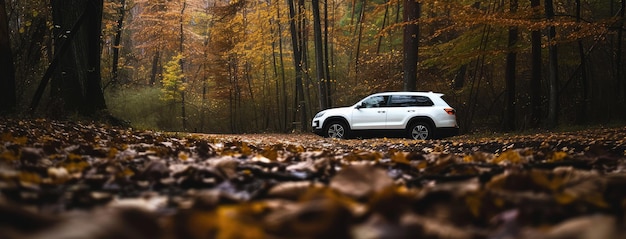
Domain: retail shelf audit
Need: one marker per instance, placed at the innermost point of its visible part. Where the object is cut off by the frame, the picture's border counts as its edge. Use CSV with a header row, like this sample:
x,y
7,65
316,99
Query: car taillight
x,y
450,111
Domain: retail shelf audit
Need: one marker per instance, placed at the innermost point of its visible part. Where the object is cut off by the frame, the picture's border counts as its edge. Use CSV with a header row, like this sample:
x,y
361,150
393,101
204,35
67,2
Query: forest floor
x,y
63,179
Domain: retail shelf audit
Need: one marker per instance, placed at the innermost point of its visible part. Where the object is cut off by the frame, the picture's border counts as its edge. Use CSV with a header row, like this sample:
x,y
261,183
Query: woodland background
x,y
268,66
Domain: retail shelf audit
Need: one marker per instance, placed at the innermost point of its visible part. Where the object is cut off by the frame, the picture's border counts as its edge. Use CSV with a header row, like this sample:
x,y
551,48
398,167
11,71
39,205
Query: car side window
x,y
423,101
410,101
375,101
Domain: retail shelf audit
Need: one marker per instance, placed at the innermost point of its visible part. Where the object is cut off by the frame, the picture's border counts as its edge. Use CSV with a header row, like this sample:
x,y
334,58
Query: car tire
x,y
336,129
420,130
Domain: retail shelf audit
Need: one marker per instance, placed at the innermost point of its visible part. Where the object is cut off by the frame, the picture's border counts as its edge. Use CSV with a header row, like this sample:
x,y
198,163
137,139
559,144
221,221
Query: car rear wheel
x,y
336,129
420,130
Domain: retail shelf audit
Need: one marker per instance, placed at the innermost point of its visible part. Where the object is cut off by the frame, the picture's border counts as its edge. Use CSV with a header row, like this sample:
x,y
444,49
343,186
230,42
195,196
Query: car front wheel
x,y
420,130
336,129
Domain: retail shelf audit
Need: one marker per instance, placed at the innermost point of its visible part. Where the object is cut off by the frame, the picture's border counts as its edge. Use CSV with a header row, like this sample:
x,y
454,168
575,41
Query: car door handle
x,y
410,111
382,111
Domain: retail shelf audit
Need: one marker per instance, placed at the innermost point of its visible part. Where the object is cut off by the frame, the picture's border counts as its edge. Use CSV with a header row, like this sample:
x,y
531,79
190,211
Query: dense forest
x,y
267,66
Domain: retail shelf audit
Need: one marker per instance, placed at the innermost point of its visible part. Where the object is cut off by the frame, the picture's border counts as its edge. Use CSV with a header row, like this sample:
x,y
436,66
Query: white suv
x,y
418,115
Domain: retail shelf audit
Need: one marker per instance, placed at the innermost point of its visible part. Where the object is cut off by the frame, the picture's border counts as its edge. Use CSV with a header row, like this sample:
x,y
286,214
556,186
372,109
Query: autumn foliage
x,y
246,69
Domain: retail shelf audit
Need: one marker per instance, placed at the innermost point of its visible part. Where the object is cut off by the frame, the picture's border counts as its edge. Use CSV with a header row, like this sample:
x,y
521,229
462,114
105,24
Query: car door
x,y
404,107
371,114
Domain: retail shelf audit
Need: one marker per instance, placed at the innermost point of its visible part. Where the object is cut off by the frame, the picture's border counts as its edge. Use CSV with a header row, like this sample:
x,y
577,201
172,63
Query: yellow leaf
x,y
510,156
474,202
126,173
30,177
20,140
295,149
6,137
270,153
400,157
8,155
546,179
564,198
558,156
183,156
422,165
245,149
74,157
112,153
596,198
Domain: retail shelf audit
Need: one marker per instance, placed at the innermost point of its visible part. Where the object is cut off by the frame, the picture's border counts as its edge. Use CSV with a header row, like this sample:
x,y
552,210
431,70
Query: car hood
x,y
335,110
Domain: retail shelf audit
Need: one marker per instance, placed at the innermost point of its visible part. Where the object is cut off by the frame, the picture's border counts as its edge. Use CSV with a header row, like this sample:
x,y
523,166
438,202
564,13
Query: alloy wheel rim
x,y
335,131
420,132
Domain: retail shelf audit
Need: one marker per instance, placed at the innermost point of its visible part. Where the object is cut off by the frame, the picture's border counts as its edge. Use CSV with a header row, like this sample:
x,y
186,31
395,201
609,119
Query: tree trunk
x,y
621,84
584,102
183,114
94,94
66,88
328,81
283,93
319,57
511,58
553,82
154,73
380,38
297,54
410,44
7,72
359,38
535,81
62,47
116,44
78,81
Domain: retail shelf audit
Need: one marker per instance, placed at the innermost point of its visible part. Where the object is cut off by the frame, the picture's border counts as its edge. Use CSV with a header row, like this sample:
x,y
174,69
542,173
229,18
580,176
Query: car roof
x,y
409,93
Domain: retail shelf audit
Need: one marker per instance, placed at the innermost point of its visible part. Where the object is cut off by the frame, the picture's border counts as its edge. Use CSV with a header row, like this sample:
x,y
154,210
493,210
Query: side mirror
x,y
359,106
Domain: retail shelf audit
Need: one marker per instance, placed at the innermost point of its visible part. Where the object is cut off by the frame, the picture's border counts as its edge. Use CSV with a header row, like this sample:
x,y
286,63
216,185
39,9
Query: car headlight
x,y
320,114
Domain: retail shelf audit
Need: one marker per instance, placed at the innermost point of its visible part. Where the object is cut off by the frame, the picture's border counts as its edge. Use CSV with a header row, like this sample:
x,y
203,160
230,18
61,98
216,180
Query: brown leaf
x,y
360,181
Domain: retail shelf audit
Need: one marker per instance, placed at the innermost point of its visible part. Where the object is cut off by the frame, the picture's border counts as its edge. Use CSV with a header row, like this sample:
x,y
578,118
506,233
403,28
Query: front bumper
x,y
317,128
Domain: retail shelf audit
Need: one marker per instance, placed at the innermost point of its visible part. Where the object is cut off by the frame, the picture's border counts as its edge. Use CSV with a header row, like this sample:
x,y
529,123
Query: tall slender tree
x,y
410,44
327,57
619,75
511,58
553,80
181,49
297,61
319,55
582,109
7,71
116,42
535,81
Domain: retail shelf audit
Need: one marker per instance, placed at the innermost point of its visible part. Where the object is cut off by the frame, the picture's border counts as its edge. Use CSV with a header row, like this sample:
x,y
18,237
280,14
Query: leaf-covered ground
x,y
82,180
